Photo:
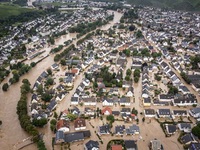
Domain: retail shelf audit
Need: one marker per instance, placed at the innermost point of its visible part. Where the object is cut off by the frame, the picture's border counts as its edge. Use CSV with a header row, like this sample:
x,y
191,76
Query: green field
x,y
7,10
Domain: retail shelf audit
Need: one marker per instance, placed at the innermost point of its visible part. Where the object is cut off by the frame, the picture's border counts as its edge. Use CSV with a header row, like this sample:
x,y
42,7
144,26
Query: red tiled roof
x,y
74,70
79,122
116,147
106,109
62,123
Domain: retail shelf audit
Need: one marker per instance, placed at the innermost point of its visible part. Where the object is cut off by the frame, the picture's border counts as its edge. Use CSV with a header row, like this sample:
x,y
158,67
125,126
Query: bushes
x,y
23,117
196,130
57,49
136,75
39,122
5,87
64,53
157,77
41,145
172,90
53,124
185,77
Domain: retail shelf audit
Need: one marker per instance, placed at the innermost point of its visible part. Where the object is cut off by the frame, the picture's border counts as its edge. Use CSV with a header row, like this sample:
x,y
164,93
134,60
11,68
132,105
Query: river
x,y
11,133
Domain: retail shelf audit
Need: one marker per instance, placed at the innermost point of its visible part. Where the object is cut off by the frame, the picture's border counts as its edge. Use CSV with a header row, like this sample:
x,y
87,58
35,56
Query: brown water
x,y
11,133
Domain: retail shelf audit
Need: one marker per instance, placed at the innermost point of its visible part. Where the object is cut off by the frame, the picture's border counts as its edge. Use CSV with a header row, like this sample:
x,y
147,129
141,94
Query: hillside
x,y
190,5
11,10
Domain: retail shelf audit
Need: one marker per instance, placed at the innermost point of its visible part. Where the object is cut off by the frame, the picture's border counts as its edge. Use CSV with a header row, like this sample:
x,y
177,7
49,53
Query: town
x,y
106,79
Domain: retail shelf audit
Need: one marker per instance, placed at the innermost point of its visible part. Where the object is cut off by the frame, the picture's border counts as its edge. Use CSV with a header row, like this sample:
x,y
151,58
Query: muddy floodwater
x,y
12,136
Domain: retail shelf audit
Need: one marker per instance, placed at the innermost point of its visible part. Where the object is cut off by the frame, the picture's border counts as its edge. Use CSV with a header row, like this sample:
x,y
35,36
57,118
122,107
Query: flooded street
x,y
12,135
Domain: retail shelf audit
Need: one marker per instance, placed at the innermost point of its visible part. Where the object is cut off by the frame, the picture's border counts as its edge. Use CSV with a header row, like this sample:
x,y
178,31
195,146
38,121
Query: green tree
x,y
143,119
39,122
63,62
49,71
57,57
172,90
136,73
52,127
196,131
55,115
128,72
145,52
110,118
33,64
25,88
127,52
139,34
134,111
53,122
127,78
46,97
41,145
157,77
136,79
5,87
40,89
71,117
51,40
194,60
185,77
49,81
26,81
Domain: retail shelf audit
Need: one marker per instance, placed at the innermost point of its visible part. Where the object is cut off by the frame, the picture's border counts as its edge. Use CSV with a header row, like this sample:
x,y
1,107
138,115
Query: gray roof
x,y
185,125
149,111
164,111
130,144
91,144
44,74
60,135
132,129
52,105
125,100
180,112
72,137
171,128
194,146
188,138
166,96
126,110
147,100
74,99
119,129
195,110
104,129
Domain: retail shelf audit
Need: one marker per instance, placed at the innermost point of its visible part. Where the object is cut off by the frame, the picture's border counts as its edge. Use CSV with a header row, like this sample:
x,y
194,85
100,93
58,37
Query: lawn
x,y
7,10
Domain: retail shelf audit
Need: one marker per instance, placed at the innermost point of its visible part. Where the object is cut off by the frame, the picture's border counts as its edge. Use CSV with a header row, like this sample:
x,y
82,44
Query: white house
x,y
150,113
125,101
60,96
86,82
184,101
74,100
195,112
107,102
185,127
130,92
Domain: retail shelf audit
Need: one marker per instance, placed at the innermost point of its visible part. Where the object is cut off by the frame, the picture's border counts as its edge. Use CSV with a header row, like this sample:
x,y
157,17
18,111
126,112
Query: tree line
x,y
24,118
